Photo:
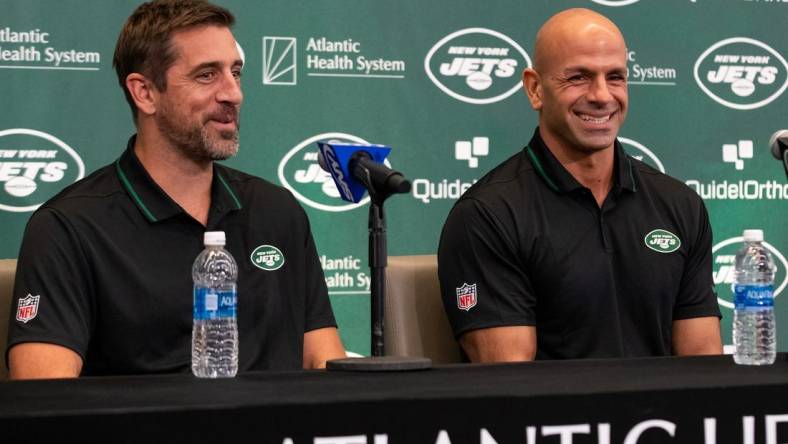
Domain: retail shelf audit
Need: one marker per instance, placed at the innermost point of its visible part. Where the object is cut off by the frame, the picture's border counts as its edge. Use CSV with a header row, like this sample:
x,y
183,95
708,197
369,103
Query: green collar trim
x,y
631,174
540,170
229,190
133,193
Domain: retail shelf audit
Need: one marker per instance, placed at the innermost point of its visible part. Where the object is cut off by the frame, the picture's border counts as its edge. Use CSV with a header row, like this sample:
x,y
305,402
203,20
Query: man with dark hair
x,y
572,249
108,260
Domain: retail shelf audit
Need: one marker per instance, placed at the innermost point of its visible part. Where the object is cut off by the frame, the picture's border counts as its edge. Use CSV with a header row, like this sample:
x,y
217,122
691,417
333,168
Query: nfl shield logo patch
x,y
466,296
27,308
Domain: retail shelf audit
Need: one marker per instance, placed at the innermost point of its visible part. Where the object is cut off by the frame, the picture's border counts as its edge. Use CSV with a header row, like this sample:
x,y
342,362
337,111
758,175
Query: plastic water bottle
x,y
754,334
215,331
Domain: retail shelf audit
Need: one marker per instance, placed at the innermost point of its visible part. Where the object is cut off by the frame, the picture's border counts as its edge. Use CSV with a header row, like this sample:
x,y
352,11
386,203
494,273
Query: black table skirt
x,y
705,400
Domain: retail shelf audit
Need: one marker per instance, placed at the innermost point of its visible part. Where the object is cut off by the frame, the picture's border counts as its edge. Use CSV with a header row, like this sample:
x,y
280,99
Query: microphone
x,y
778,143
358,168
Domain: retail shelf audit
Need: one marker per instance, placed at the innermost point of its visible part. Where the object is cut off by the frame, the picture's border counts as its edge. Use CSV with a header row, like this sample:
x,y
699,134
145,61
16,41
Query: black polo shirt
x,y
110,259
529,245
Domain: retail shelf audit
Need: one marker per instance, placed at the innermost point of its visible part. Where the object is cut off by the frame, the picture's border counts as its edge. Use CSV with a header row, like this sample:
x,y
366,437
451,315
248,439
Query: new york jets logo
x,y
268,258
662,241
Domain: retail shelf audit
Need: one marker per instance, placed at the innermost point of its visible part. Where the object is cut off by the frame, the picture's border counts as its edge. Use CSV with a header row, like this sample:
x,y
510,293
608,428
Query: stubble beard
x,y
197,142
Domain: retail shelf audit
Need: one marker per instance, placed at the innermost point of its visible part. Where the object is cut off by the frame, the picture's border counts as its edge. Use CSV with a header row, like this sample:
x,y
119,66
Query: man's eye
x,y
237,74
205,76
576,78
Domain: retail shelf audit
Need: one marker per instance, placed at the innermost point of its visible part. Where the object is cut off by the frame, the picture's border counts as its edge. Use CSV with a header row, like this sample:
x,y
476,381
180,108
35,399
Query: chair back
x,y
7,274
415,320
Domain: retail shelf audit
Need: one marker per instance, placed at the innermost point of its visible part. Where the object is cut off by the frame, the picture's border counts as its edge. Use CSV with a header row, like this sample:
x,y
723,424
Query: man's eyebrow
x,y
214,65
584,70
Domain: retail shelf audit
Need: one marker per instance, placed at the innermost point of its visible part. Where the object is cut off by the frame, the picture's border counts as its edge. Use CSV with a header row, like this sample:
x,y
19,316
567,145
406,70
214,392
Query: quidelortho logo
x,y
300,172
429,190
615,2
641,153
471,150
34,166
477,65
735,153
742,73
724,262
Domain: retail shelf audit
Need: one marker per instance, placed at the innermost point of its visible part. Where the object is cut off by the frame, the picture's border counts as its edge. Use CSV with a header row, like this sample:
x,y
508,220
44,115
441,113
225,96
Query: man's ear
x,y
532,83
143,92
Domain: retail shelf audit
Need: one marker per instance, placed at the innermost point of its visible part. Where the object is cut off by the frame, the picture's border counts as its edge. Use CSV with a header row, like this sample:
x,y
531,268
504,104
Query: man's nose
x,y
230,90
598,91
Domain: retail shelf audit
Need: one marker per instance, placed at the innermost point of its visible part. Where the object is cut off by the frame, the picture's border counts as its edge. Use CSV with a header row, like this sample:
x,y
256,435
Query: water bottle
x,y
754,335
215,331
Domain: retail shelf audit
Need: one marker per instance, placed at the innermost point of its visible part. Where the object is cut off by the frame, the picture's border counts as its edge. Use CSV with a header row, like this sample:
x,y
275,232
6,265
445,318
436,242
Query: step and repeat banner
x,y
439,81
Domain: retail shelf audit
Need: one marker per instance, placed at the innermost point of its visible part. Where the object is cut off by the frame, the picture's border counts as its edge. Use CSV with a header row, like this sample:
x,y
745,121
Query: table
x,y
704,400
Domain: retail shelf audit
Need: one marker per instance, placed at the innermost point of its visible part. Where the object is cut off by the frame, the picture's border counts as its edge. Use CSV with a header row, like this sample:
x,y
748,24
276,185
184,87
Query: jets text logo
x,y
34,166
300,172
477,65
741,73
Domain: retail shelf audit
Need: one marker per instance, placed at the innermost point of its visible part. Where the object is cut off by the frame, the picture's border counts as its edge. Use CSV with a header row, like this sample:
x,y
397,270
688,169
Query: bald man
x,y
571,248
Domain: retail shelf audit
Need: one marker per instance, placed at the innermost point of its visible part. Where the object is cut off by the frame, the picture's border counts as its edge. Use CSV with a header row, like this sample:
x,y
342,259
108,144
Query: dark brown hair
x,y
145,42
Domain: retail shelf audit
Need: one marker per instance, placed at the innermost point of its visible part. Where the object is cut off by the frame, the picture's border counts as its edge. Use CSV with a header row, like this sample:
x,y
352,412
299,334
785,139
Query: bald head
x,y
570,26
578,83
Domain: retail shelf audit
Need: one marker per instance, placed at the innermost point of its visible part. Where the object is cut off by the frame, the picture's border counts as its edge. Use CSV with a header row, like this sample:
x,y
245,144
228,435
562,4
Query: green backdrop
x,y
439,82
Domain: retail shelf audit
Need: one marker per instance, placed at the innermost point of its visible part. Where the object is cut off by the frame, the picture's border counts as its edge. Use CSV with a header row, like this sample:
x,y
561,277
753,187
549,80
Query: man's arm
x,y
321,345
39,360
697,336
500,344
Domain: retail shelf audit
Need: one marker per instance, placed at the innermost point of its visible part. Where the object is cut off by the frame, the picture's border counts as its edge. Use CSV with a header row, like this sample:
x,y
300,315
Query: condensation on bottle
x,y
215,328
754,329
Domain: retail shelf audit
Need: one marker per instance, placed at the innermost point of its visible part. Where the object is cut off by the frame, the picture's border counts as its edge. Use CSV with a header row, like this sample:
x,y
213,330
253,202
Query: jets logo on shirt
x,y
466,296
662,241
27,308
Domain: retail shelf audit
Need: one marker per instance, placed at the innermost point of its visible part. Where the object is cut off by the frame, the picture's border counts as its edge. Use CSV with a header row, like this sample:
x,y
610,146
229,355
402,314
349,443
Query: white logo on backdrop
x,y
307,180
279,61
642,153
241,53
735,153
615,2
482,66
745,73
471,150
724,264
22,167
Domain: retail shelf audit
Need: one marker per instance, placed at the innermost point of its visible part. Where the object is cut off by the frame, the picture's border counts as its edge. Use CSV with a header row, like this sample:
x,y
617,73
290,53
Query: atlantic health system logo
x,y
34,166
741,73
476,65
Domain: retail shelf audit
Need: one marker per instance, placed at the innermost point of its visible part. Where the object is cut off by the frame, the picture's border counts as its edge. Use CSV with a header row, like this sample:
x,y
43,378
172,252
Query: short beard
x,y
196,142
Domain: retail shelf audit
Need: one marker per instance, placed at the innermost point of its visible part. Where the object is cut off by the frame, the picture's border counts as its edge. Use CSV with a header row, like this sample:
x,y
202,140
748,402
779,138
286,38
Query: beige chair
x,y
415,321
7,273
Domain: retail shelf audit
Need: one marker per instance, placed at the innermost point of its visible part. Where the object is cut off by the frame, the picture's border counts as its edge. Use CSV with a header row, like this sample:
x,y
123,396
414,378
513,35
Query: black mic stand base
x,y
380,364
378,258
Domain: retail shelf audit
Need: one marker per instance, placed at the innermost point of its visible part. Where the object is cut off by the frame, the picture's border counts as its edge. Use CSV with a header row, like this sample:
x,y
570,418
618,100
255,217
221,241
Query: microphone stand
x,y
378,260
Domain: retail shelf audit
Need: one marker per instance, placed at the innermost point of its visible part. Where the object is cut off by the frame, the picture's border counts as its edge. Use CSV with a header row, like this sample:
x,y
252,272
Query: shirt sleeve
x,y
318,307
484,282
697,297
51,301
